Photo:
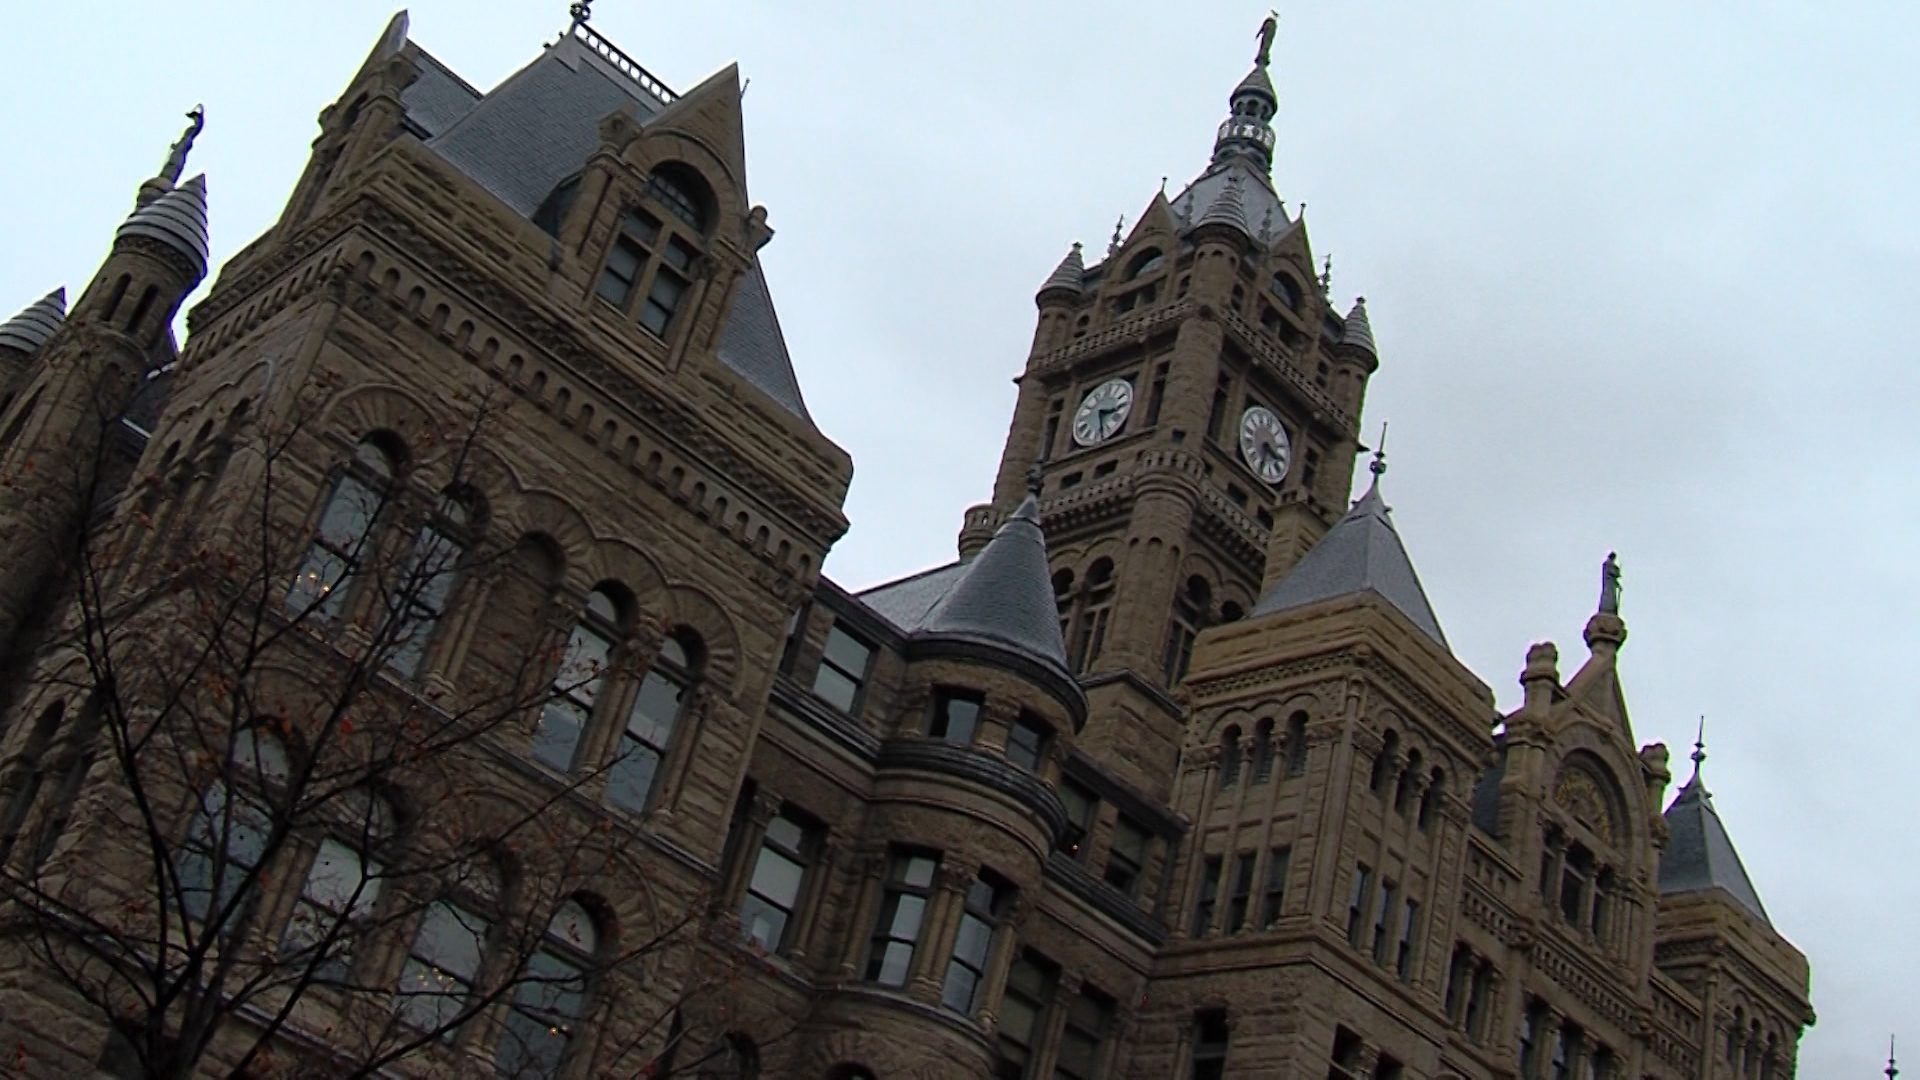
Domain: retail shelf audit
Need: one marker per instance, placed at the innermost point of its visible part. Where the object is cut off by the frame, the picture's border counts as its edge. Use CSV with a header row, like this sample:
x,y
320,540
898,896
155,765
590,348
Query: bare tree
x,y
251,830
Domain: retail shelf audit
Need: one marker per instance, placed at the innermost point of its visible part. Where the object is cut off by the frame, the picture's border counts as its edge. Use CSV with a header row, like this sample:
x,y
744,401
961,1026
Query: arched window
x,y
551,999
343,882
217,864
426,580
1403,789
1189,614
441,968
1297,744
1383,764
1230,757
1263,751
1287,291
577,685
1430,798
684,194
1145,263
1096,605
341,541
650,725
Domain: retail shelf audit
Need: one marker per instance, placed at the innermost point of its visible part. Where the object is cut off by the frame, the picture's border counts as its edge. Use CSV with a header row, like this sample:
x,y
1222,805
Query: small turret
x,y
26,332
1068,279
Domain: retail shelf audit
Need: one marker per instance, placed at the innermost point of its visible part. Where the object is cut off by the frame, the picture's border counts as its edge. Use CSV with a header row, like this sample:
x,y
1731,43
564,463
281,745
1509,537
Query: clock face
x,y
1263,442
1103,412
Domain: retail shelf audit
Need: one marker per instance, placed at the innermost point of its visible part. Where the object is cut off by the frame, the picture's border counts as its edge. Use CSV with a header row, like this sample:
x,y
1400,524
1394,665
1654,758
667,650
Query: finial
x,y
1700,746
1890,1070
1266,225
1163,187
177,153
1035,473
1267,31
581,10
1326,268
1113,245
1379,464
1610,585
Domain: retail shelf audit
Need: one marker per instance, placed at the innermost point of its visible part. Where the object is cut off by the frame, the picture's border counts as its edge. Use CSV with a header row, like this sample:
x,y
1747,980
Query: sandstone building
x,y
1170,774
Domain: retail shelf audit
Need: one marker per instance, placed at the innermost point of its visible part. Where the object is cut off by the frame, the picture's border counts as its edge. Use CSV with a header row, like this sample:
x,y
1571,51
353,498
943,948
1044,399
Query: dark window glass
x,y
649,731
1276,892
903,909
547,1006
1209,895
662,301
1263,752
1383,920
1088,1019
779,872
1242,897
1357,904
679,201
956,718
1403,956
576,687
340,541
421,596
624,263
441,967
1126,856
842,670
972,945
1081,806
1026,741
1209,1045
1030,983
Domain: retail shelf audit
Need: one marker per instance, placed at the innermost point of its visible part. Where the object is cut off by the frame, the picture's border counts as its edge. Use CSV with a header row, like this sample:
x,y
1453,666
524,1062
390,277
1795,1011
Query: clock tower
x,y
1190,413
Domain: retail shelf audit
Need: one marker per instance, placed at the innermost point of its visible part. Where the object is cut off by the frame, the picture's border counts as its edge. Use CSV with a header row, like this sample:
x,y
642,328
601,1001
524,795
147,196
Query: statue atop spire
x,y
1267,31
177,153
1610,585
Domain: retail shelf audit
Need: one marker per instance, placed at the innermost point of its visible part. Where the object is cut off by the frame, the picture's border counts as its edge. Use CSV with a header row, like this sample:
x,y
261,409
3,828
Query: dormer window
x,y
646,256
684,195
1287,291
1145,263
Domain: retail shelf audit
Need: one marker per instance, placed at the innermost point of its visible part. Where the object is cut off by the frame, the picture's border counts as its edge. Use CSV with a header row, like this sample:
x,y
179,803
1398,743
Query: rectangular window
x,y
340,886
1023,1009
1158,392
679,255
663,300
1346,1055
779,872
1081,806
441,968
1217,412
1050,434
222,849
1388,1069
1209,1045
1403,956
1478,998
972,946
624,263
843,668
1126,856
1088,1019
1209,895
1242,898
1459,971
956,718
338,546
1026,741
1276,893
1093,635
903,910
1357,904
1383,920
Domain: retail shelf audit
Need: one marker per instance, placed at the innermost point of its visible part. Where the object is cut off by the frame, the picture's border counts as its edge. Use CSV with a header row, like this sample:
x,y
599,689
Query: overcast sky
x,y
1641,281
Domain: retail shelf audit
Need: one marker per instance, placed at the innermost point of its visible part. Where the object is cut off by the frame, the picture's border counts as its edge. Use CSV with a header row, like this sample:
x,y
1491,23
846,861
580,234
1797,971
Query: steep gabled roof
x,y
1362,553
1700,855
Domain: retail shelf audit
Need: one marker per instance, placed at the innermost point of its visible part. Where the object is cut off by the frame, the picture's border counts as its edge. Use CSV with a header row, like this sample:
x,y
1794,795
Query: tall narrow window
x,y
441,968
1530,1042
341,888
903,911
627,259
1576,874
1346,1055
1023,1007
1209,896
1154,396
778,874
1126,856
956,717
1278,861
1209,1045
576,688
1297,744
1050,433
972,945
1230,757
341,540
1088,1020
1479,994
1189,614
1027,741
1263,751
1091,634
426,580
1383,765
1241,899
843,668
650,725
1563,1053
219,861
1403,955
1357,905
550,1000
1217,412
1383,921
1081,806
1430,798
1459,974
669,288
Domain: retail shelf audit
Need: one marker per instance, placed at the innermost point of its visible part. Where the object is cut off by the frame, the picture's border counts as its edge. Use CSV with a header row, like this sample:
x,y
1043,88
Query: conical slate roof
x,y
177,219
1003,602
1700,855
1358,331
1361,553
1070,274
1258,83
1228,208
30,329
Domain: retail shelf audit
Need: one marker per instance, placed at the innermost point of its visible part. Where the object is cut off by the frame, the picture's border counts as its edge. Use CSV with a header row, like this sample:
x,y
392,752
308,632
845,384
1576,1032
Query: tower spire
x,y
1699,749
1890,1070
1248,130
176,163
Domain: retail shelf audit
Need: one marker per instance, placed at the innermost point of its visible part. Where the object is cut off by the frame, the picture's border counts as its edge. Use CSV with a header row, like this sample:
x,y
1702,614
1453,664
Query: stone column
x,y
944,908
870,865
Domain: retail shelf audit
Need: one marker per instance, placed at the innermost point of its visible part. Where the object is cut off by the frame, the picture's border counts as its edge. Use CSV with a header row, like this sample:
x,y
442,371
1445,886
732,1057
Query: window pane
x,y
316,586
762,923
582,667
654,710
834,688
1023,745
631,775
917,870
786,832
847,653
777,878
957,720
559,733
970,945
957,992
348,515
894,963
679,255
905,925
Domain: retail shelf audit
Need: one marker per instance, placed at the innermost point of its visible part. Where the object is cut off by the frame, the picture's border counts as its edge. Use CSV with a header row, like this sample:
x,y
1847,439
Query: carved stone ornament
x,y
1579,794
